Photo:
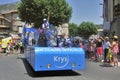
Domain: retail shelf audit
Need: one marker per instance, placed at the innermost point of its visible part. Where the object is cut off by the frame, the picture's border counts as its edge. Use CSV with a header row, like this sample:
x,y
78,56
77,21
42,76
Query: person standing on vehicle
x,y
46,23
50,39
62,41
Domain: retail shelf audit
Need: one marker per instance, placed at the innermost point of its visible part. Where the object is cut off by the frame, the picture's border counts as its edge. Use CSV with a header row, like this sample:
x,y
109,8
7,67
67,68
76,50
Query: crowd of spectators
x,y
103,49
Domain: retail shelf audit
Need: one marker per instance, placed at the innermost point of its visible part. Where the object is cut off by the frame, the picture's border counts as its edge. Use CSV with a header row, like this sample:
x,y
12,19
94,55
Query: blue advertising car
x,y
43,58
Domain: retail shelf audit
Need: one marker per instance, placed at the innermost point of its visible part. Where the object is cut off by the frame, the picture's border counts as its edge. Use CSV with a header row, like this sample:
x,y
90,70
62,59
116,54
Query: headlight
x,y
48,65
73,64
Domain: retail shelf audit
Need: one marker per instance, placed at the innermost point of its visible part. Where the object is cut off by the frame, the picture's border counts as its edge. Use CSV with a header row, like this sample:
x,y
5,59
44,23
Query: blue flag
x,y
24,32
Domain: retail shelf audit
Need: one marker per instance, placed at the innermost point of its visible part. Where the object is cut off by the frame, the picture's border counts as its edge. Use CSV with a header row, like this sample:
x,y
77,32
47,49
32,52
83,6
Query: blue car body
x,y
53,58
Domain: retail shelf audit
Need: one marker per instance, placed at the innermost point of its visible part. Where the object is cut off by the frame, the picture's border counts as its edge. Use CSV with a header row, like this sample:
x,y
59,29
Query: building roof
x,y
2,17
8,12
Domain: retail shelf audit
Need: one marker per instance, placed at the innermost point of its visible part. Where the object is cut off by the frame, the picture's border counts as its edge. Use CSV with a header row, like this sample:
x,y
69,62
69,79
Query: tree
x,y
86,29
72,29
34,11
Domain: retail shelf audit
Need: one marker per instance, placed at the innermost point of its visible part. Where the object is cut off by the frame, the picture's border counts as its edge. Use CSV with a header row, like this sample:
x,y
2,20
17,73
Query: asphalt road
x,y
15,67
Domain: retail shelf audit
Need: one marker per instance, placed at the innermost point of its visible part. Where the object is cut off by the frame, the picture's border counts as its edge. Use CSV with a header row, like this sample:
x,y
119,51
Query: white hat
x,y
115,37
106,37
44,19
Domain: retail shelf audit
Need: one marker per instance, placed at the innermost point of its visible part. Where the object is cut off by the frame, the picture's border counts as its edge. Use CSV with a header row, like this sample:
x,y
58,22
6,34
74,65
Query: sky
x,y
83,10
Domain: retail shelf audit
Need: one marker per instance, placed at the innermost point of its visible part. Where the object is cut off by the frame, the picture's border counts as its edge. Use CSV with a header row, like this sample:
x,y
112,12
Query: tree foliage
x,y
86,29
34,11
73,29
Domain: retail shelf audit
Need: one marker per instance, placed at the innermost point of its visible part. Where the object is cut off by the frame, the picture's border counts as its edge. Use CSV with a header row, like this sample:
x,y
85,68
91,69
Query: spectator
x,y
86,48
115,50
99,48
8,49
90,49
107,46
20,47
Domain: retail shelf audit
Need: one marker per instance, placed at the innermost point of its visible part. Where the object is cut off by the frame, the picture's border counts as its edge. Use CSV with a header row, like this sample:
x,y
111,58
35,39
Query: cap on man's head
x,y
44,19
106,37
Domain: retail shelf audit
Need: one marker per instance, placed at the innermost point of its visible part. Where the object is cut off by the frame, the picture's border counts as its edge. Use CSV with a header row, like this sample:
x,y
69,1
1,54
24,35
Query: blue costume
x,y
48,33
45,24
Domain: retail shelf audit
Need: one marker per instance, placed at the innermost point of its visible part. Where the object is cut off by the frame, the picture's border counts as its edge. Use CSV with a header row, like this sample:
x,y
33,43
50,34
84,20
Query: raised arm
x,y
48,18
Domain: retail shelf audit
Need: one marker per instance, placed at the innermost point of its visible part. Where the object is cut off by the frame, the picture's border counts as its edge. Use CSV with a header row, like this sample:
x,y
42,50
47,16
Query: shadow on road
x,y
32,73
105,65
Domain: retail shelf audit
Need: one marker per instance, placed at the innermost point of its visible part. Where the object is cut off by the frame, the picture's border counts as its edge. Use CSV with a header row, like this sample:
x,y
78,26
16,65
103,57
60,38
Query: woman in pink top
x,y
115,50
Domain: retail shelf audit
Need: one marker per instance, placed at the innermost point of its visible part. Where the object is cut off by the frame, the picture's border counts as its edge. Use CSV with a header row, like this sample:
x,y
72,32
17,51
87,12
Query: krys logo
x,y
61,61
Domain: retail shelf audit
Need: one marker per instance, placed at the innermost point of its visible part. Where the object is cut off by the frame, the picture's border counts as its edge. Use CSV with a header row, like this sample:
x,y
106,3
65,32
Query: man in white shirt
x,y
106,48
